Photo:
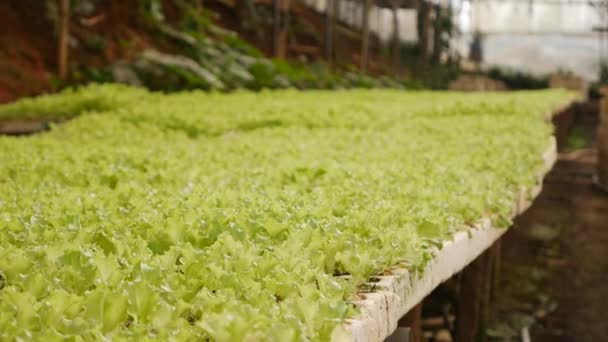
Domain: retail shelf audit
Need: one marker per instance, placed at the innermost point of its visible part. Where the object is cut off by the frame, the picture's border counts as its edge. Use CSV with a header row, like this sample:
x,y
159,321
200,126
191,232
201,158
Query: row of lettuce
x,y
248,216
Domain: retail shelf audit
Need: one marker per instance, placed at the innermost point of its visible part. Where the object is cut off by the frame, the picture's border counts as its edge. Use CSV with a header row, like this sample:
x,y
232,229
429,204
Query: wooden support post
x,y
424,28
413,320
334,29
401,335
602,142
473,301
63,37
495,286
437,31
199,4
329,30
281,18
396,40
276,25
365,34
486,295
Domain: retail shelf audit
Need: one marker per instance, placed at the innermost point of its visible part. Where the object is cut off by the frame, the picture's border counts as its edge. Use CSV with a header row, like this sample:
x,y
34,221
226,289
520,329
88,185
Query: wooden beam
x,y
63,38
329,30
23,127
334,29
276,24
478,286
400,335
436,24
424,29
413,320
496,267
365,34
281,18
471,299
396,43
486,302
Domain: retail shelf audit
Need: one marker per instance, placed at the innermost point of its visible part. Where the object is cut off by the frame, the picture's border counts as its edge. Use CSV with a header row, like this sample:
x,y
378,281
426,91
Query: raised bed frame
x,y
398,293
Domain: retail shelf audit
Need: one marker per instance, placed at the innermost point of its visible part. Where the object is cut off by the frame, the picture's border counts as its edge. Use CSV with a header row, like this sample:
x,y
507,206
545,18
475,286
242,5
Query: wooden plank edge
x,y
401,291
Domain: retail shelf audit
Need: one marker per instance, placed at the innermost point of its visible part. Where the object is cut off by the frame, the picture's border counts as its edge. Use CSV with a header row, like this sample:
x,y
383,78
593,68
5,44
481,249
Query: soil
x,y
25,52
116,30
28,52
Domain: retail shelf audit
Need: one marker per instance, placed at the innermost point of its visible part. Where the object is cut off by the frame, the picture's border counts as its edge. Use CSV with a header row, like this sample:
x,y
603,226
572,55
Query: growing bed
x,y
248,216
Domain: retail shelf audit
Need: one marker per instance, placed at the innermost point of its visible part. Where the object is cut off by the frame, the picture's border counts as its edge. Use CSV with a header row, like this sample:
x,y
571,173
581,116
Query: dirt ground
x,y
554,276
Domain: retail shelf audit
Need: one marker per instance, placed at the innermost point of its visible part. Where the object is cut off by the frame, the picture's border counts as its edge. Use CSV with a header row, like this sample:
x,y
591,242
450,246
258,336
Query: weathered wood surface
x,y
22,127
